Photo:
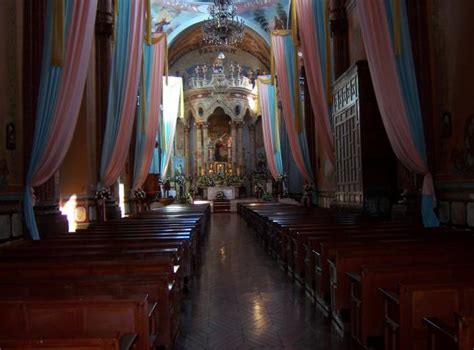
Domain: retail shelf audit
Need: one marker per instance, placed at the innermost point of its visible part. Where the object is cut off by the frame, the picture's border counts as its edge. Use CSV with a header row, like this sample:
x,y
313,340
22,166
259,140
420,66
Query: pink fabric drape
x,y
286,102
382,64
118,157
267,132
154,111
314,76
70,91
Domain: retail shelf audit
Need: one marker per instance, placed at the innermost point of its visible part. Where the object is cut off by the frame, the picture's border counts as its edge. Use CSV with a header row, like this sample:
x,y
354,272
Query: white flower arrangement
x,y
139,194
104,193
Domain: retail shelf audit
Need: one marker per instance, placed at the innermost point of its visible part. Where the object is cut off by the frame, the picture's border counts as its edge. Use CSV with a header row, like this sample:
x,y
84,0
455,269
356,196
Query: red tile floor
x,y
240,299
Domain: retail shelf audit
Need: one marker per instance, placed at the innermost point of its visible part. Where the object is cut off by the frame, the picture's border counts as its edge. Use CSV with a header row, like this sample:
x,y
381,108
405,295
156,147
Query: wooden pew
x,y
73,341
353,260
459,336
166,296
367,303
52,317
67,269
406,307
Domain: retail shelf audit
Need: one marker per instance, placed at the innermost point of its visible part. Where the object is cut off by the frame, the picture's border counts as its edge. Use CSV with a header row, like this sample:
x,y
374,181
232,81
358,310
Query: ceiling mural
x,y
260,15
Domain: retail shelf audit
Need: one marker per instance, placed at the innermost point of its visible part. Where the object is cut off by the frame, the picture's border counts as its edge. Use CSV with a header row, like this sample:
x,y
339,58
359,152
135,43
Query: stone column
x,y
233,129
253,161
199,148
339,34
240,145
187,152
48,216
205,139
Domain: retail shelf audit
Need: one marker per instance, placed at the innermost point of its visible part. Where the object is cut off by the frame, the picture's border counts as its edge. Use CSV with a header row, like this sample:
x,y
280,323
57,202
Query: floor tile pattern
x,y
240,299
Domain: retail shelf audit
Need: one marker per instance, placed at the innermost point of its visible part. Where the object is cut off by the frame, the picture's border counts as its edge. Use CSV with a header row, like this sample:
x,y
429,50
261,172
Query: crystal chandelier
x,y
222,28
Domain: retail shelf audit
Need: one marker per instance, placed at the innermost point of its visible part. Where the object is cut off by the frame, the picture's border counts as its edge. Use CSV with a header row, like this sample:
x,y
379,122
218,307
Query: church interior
x,y
231,174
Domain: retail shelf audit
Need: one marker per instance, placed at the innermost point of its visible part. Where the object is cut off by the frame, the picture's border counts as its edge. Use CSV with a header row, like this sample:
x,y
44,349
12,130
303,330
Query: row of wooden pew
x,y
390,284
114,285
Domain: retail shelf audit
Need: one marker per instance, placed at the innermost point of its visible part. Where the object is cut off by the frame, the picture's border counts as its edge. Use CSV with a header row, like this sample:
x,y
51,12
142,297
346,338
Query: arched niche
x,y
217,107
219,133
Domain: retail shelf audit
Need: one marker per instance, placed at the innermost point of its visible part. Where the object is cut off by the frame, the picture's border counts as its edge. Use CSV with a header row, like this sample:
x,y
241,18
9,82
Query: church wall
x,y
294,178
185,66
78,173
356,44
11,118
451,27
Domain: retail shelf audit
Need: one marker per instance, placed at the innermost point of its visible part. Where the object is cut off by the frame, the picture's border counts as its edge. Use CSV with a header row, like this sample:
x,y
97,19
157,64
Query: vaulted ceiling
x,y
184,24
191,40
260,15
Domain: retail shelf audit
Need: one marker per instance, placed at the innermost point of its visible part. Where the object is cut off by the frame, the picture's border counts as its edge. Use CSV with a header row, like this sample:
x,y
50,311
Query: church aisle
x,y
241,299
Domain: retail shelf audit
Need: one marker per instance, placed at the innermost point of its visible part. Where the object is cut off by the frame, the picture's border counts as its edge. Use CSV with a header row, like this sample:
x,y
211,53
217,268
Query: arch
x,y
190,39
218,104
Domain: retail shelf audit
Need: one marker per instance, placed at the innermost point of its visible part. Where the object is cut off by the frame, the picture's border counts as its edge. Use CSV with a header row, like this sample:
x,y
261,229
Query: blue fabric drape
x,y
275,128
155,160
319,10
409,87
293,80
117,81
48,93
144,108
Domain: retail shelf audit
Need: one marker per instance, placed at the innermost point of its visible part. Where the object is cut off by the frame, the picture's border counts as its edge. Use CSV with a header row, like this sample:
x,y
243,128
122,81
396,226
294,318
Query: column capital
x,y
236,123
198,125
205,125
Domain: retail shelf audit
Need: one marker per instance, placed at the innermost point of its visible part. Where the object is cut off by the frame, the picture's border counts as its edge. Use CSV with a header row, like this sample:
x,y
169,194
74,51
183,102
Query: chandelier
x,y
222,28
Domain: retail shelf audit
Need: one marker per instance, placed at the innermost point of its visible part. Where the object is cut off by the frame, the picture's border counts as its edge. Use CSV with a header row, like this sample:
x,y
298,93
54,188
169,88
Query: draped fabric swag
x,y
123,88
149,111
386,37
63,75
173,108
270,125
286,69
313,28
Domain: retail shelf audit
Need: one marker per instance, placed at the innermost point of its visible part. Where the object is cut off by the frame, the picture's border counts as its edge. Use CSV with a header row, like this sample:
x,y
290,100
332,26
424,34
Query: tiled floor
x,y
241,300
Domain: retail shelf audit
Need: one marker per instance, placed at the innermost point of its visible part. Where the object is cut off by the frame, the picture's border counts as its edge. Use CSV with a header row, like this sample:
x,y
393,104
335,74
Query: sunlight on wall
x,y
253,102
122,198
69,209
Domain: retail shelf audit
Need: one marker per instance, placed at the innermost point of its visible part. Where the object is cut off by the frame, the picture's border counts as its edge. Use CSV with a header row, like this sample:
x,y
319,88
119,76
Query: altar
x,y
230,192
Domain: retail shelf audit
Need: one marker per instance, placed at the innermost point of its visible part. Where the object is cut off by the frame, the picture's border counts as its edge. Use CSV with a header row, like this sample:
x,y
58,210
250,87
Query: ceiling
x,y
191,40
261,16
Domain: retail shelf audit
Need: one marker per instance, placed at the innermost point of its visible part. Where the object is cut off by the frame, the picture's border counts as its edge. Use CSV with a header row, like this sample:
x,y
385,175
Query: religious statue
x,y
159,26
204,71
307,198
231,70
239,70
196,71
220,150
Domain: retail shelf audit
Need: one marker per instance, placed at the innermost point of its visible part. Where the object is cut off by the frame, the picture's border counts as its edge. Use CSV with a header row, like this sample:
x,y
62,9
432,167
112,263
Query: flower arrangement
x,y
267,197
219,179
220,196
205,181
308,188
103,193
139,194
235,180
180,179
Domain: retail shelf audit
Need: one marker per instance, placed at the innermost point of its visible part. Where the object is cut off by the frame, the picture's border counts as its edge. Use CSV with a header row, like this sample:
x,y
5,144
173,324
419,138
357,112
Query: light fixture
x,y
222,28
221,55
